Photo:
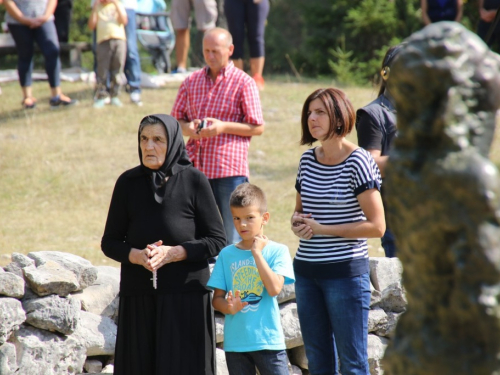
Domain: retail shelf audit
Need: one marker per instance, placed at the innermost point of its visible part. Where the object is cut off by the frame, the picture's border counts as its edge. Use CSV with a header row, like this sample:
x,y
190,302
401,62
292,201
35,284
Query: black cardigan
x,y
188,216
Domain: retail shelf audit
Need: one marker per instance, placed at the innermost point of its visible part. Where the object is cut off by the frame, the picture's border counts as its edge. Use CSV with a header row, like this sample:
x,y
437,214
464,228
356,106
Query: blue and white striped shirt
x,y
329,193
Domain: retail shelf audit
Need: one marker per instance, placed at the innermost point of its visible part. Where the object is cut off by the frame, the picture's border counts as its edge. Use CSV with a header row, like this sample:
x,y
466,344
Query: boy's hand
x,y
259,243
234,304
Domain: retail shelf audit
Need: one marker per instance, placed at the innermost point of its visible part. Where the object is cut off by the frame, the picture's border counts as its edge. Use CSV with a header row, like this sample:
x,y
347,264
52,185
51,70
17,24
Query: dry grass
x,y
58,168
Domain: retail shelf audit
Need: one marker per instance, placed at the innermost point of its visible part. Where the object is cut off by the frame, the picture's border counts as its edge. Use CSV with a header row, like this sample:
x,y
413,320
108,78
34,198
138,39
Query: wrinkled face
x,y
153,143
216,51
248,221
318,120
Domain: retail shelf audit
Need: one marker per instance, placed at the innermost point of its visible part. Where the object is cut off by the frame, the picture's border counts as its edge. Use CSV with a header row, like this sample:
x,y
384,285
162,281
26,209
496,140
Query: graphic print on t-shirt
x,y
247,280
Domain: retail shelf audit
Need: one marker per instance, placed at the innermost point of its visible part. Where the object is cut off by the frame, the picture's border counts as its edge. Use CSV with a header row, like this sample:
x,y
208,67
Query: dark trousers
x,y
45,37
62,16
110,60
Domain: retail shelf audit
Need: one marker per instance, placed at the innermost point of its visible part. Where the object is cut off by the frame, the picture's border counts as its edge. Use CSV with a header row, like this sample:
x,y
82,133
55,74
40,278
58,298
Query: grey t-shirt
x,y
30,8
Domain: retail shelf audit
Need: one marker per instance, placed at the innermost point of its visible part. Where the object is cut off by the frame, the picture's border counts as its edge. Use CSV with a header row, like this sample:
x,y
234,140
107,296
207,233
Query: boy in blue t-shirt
x,y
247,278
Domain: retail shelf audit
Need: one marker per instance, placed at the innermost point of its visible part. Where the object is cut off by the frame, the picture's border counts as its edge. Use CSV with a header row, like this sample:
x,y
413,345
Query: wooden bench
x,y
73,49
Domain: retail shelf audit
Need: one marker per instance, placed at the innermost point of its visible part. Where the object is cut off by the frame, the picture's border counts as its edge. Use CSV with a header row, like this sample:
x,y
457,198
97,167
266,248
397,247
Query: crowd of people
x,y
188,205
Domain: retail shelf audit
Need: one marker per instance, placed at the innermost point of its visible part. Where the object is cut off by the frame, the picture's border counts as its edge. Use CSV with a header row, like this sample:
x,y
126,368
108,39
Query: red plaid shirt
x,y
232,97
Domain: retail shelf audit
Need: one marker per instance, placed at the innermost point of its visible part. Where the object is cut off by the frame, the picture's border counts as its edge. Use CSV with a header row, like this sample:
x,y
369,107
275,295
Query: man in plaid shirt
x,y
228,99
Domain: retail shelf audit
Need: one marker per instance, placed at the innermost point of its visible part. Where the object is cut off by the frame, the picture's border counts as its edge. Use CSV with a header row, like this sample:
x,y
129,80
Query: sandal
x,y
62,100
29,102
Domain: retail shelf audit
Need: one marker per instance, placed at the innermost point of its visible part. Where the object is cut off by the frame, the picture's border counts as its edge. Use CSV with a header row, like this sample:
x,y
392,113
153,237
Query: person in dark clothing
x,y
376,129
62,19
487,12
441,10
163,225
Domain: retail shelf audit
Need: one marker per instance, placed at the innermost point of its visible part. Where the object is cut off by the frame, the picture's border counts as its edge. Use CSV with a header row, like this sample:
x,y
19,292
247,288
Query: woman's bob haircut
x,y
340,112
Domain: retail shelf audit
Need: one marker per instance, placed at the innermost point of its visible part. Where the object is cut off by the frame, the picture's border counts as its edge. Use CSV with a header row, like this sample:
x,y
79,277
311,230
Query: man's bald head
x,y
219,34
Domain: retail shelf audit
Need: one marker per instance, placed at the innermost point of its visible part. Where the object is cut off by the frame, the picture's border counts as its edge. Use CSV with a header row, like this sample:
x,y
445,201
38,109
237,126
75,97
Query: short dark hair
x,y
149,120
340,112
247,195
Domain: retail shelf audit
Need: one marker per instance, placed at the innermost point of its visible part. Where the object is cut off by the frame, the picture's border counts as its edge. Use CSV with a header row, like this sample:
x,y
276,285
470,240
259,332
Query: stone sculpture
x,y
445,196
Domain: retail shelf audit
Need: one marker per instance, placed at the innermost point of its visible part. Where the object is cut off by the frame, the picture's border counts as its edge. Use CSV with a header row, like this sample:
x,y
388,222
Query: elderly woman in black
x,y
163,225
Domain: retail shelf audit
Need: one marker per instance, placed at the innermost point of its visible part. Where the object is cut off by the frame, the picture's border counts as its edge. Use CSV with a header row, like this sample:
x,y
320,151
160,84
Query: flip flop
x,y
31,104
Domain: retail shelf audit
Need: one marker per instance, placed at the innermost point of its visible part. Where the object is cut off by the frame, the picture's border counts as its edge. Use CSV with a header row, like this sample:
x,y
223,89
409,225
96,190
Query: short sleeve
x,y
370,135
281,264
366,174
218,279
250,102
179,110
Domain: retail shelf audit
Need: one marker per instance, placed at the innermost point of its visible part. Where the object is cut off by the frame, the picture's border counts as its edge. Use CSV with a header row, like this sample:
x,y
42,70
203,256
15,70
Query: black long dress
x,y
168,330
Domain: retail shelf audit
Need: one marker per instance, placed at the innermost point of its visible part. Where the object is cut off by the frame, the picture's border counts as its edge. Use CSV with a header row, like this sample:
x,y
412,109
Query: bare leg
x,y
257,65
256,69
238,63
28,99
181,47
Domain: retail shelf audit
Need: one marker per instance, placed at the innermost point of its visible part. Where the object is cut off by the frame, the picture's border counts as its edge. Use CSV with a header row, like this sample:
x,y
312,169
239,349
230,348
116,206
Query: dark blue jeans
x,y
46,38
333,315
269,362
133,60
222,189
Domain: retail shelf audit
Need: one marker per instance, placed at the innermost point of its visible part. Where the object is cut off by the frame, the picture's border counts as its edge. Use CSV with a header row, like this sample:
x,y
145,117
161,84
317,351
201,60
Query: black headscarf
x,y
176,159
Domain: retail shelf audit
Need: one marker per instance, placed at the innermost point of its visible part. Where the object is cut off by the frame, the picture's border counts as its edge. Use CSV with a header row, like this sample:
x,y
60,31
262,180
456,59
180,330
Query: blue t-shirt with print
x,y
258,325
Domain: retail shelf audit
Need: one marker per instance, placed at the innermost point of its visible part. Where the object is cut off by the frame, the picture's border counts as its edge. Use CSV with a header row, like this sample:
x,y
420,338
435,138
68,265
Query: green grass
x,y
58,167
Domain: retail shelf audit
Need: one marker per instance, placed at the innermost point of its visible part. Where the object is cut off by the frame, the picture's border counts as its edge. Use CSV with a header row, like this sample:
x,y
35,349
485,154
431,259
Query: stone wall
x,y
58,316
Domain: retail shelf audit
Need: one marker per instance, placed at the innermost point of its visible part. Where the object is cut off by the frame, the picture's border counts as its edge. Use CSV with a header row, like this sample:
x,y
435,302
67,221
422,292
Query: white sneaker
x,y
135,97
107,100
116,102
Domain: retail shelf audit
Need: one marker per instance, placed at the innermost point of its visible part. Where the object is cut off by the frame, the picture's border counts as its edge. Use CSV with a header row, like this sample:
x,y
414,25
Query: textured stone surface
x,y
298,356
92,366
291,325
376,349
102,297
51,278
42,352
11,317
19,261
85,272
444,197
11,285
393,298
287,293
96,333
221,362
8,364
53,313
219,327
384,272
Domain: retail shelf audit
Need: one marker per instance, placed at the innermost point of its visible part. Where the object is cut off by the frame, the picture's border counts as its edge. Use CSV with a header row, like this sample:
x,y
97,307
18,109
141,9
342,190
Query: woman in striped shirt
x,y
338,206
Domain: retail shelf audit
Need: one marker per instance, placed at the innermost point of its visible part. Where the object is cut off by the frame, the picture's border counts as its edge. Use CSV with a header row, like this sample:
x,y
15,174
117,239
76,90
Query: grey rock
x,y
219,327
101,298
19,261
298,357
53,313
384,272
375,298
96,333
221,362
92,366
11,285
376,318
387,328
43,352
109,369
11,317
376,350
287,293
291,325
394,298
84,271
51,278
8,363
